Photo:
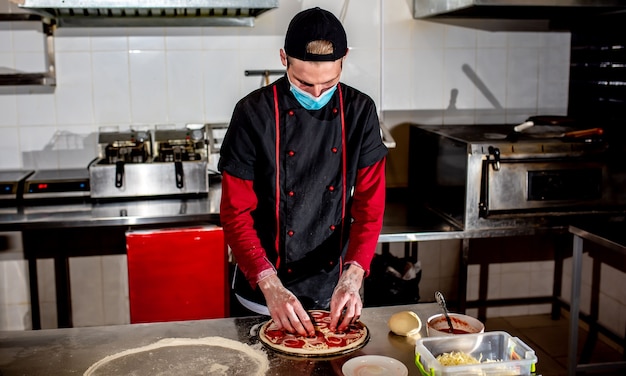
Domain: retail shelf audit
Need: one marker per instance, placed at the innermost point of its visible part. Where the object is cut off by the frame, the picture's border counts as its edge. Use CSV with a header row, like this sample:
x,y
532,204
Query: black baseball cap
x,y
315,24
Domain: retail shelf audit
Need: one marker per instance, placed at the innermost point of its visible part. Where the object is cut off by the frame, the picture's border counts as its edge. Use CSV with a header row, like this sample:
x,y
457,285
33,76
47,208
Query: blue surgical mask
x,y
309,101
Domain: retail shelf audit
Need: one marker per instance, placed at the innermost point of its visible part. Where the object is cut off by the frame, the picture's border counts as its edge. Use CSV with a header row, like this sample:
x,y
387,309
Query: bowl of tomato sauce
x,y
461,324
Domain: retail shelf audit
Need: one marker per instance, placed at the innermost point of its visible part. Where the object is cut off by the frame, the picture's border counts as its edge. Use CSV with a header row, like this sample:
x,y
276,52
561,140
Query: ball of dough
x,y
405,323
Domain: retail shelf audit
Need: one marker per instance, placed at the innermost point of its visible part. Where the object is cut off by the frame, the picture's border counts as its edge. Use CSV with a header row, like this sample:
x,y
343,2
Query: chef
x,y
303,184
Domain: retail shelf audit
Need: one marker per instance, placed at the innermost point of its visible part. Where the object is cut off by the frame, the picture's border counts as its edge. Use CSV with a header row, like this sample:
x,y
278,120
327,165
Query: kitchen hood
x,y
127,13
514,15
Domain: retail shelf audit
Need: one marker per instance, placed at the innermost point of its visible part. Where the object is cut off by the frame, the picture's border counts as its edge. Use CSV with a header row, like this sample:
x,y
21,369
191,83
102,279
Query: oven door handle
x,y
483,204
496,157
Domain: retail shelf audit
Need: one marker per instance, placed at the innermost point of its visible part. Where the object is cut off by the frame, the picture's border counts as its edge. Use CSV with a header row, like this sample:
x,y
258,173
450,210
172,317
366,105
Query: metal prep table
x,y
610,236
72,351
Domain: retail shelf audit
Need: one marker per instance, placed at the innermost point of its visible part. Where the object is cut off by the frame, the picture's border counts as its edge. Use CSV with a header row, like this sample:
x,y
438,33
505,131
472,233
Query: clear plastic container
x,y
498,352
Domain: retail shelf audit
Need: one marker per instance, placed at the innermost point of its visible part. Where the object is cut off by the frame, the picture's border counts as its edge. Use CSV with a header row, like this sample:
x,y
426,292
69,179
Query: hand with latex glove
x,y
285,309
346,297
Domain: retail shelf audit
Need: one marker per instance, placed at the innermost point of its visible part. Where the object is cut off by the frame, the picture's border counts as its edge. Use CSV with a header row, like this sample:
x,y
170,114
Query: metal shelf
x,y
20,79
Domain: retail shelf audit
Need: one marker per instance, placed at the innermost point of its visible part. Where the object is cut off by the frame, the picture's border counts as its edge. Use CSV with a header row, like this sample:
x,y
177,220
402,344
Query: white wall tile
x,y
10,148
185,74
8,109
111,88
74,103
6,37
45,281
399,84
109,39
539,309
115,290
473,281
142,39
398,25
14,278
183,38
622,318
521,39
220,92
28,37
48,315
220,38
47,293
76,146
489,78
86,276
30,62
449,255
363,28
7,60
148,75
491,39
36,109
72,39
362,71
514,311
455,78
428,80
609,315
426,35
73,68
611,278
541,282
522,79
553,80
36,143
15,317
460,37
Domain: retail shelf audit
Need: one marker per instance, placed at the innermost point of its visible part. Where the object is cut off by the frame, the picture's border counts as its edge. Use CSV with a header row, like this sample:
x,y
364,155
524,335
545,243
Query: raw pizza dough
x,y
185,356
324,343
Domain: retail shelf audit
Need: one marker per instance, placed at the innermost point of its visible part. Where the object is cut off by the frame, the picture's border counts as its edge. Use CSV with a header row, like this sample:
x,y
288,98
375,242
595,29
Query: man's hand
x,y
285,309
346,296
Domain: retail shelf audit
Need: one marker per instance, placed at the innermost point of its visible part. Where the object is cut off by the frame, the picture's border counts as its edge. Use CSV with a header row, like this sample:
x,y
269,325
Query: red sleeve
x,y
368,208
237,203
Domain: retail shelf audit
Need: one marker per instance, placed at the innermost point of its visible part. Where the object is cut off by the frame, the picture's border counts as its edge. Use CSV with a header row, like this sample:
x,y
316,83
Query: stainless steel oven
x,y
485,176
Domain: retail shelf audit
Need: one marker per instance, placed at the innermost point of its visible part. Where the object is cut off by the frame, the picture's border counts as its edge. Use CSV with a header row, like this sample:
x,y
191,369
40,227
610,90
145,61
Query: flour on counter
x,y
185,356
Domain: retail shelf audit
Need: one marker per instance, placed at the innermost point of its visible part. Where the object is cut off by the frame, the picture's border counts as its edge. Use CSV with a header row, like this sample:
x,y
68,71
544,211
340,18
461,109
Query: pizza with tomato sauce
x,y
325,342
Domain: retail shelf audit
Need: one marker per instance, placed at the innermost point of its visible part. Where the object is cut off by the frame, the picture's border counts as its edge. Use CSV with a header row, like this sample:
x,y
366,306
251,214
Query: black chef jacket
x,y
316,176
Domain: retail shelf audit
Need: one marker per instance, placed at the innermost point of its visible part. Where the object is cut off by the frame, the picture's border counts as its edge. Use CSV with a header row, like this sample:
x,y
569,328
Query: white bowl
x,y
437,325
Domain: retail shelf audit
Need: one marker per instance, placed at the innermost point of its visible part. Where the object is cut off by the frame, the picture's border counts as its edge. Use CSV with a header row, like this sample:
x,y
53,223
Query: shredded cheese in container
x,y
456,358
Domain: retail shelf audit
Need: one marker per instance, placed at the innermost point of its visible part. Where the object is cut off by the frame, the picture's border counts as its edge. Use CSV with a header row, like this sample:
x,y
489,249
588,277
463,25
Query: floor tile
x,y
549,339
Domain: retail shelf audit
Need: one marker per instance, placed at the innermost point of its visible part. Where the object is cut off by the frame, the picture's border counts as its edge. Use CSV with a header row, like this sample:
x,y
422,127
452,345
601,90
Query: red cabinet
x,y
177,274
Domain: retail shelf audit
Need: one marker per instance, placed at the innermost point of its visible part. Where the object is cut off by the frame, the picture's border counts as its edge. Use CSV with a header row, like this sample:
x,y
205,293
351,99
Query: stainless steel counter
x,y
113,213
397,227
72,351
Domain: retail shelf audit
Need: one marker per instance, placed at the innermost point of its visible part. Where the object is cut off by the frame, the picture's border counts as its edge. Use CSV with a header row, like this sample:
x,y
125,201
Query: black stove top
x,y
57,183
495,133
11,183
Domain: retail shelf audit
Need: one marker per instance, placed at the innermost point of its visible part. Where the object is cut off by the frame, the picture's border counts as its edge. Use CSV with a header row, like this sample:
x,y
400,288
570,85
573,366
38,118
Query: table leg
x,y
35,314
574,306
63,292
463,265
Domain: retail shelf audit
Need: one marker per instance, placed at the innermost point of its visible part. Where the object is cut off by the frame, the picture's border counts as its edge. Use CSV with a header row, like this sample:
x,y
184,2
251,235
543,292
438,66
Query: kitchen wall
x,y
416,71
